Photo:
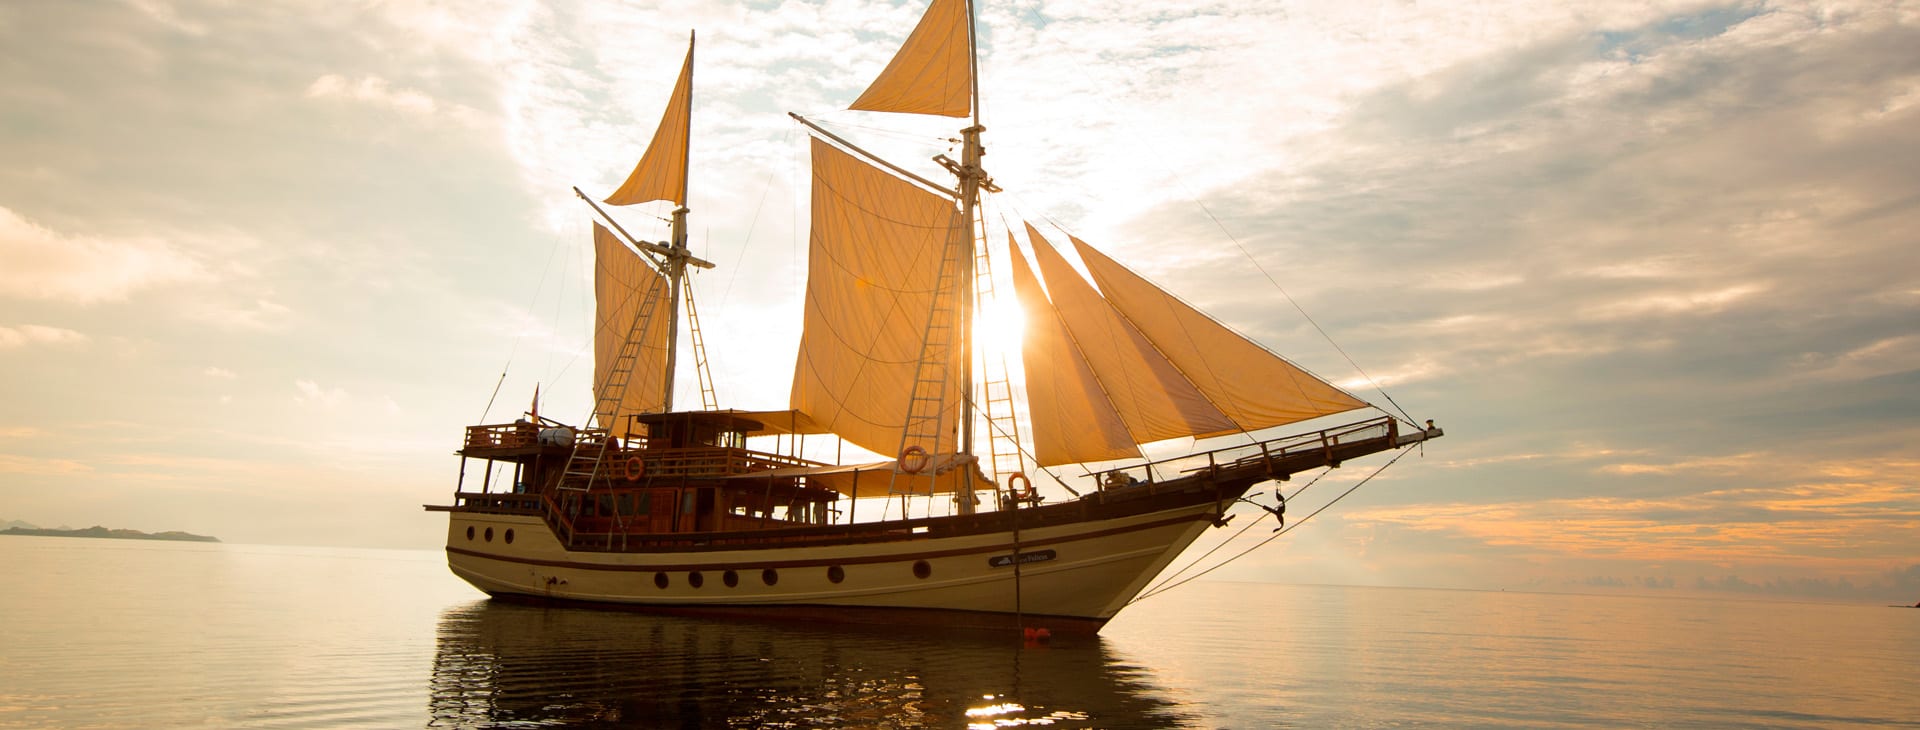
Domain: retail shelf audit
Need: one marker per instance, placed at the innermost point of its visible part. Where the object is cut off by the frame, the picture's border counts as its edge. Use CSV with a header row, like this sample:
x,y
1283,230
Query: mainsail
x,y
875,256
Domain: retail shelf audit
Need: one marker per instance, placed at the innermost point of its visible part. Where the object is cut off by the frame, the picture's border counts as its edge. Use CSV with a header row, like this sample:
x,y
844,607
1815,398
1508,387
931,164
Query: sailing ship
x,y
968,524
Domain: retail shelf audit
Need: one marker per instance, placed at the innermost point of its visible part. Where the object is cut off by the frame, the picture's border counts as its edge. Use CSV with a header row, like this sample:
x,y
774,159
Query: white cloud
x,y
310,393
378,92
372,90
33,334
39,263
260,315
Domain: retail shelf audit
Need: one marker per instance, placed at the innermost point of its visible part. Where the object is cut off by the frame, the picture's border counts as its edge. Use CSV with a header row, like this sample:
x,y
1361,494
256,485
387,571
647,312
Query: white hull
x,y
1084,572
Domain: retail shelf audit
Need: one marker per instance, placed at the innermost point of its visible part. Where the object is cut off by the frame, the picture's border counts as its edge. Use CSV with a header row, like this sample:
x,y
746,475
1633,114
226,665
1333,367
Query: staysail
x,y
1254,387
662,172
875,256
622,284
1134,355
933,72
1080,424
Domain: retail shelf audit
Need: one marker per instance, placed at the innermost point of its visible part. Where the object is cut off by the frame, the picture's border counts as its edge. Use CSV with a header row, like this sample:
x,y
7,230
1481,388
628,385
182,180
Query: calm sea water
x,y
106,633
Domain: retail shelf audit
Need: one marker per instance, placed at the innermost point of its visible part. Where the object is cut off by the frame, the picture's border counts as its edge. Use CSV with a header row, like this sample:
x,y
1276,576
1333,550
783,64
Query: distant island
x,y
98,531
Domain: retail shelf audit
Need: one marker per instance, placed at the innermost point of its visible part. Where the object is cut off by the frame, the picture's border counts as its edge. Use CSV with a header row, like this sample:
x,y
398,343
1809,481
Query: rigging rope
x,y
1223,543
514,350
1275,536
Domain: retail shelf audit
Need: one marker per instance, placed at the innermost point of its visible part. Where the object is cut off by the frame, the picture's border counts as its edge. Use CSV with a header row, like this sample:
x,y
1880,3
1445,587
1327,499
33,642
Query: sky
x,y
1651,265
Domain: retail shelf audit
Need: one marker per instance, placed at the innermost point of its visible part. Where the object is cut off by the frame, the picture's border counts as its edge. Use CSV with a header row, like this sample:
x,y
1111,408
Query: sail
x,y
622,282
1073,421
1153,398
933,72
662,172
1254,387
874,259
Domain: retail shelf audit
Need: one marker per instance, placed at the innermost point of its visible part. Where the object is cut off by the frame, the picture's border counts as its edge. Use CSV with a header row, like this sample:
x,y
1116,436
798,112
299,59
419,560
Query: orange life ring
x,y
635,468
1025,492
919,457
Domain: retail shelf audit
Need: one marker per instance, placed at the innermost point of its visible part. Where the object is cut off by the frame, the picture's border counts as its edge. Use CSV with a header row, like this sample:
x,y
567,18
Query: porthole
x,y
489,534
836,574
769,576
921,569
469,533
509,537
660,581
695,579
730,578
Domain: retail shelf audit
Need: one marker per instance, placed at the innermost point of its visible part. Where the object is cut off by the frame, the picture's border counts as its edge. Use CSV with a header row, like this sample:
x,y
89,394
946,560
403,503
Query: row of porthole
x,y
489,535
921,569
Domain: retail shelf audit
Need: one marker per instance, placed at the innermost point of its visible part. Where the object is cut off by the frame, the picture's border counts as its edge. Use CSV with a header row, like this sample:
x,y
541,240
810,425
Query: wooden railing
x,y
524,434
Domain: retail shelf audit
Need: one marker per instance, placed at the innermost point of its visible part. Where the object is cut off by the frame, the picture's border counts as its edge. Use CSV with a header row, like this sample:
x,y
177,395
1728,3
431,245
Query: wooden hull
x,y
1071,577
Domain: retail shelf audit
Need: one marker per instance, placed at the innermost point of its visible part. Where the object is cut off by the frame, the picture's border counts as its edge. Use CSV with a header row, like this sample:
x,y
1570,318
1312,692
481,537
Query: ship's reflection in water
x,y
502,664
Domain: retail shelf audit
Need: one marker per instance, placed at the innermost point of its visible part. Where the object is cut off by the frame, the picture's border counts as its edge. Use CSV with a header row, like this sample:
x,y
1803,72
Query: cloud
x,y
310,393
42,264
380,93
33,334
29,465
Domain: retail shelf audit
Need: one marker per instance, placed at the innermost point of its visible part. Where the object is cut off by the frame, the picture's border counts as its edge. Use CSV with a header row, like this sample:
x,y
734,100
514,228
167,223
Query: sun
x,y
998,326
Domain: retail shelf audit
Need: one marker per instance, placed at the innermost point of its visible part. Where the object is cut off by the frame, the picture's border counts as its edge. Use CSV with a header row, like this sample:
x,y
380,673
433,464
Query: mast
x,y
677,261
970,176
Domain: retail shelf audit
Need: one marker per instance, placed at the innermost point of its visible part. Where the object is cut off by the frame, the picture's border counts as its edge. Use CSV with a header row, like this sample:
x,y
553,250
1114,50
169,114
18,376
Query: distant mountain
x,y
10,524
21,528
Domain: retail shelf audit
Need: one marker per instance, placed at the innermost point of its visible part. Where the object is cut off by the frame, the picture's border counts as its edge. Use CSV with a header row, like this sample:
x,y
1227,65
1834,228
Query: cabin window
x,y
922,569
695,579
489,534
509,536
769,576
660,581
836,574
469,533
730,578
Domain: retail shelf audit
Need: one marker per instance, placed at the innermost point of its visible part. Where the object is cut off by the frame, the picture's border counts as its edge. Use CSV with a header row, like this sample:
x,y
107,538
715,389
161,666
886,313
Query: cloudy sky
x,y
1652,264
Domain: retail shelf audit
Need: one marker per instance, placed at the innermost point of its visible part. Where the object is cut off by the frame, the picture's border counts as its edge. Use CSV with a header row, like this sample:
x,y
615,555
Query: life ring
x,y
915,454
635,468
1025,492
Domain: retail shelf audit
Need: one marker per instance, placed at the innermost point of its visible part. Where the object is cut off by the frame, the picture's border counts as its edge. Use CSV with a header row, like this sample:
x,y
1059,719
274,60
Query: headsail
x,y
933,72
1073,419
1153,398
662,172
874,259
1131,354
1255,387
622,283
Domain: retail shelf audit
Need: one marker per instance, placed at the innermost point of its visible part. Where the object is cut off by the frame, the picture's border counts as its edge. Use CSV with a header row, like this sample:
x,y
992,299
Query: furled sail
x,y
933,72
662,172
1153,398
622,284
1253,386
1073,421
874,259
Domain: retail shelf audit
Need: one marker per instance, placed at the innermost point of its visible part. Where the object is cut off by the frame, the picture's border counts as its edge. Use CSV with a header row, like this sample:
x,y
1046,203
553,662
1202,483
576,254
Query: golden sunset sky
x,y
1653,265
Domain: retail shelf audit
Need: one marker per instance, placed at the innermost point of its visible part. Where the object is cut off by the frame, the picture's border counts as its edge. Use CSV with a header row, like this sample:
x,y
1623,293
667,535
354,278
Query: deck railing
x,y
1318,448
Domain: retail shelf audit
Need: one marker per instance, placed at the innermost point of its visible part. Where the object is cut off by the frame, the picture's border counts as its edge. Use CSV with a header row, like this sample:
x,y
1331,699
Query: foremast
x,y
661,175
